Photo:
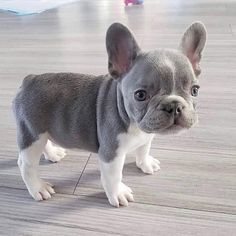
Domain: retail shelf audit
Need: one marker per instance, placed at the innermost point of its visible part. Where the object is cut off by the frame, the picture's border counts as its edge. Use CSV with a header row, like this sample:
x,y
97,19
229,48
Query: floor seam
x,y
81,173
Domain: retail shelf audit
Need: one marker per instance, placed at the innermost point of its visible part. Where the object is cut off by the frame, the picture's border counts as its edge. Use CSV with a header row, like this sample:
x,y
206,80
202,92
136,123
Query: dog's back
x,y
52,103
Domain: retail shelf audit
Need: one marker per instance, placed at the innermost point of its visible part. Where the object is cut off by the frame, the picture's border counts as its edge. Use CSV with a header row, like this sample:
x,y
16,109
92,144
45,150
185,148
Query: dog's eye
x,y
140,95
194,90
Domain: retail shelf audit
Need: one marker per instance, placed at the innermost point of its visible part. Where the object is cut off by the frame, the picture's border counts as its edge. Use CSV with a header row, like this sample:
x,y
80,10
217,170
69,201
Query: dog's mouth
x,y
170,126
164,123
172,129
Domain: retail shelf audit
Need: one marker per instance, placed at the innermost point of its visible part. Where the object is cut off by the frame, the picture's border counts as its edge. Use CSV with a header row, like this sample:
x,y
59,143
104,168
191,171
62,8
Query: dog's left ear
x,y
122,49
193,43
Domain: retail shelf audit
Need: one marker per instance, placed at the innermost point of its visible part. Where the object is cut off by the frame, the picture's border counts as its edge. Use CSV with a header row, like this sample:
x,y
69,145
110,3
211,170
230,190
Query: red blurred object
x,y
133,2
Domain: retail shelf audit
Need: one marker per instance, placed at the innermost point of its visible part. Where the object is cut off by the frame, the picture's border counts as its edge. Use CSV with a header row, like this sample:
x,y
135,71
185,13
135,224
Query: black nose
x,y
173,108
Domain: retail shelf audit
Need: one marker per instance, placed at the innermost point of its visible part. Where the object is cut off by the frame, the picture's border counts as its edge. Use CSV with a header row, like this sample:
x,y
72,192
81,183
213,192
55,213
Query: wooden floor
x,y
195,191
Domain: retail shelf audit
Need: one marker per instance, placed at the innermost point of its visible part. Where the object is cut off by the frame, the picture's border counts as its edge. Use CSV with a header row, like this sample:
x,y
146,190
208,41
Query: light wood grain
x,y
93,214
195,191
186,180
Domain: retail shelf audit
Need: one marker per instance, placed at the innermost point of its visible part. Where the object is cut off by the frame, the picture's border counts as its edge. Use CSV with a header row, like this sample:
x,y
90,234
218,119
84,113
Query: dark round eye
x,y
140,95
194,91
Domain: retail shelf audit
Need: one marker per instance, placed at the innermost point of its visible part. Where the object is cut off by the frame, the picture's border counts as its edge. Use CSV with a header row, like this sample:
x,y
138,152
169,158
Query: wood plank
x,y
35,227
78,214
186,180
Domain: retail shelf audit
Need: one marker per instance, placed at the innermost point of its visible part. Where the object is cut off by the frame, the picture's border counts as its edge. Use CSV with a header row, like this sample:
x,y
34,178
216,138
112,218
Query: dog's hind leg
x,y
28,163
53,153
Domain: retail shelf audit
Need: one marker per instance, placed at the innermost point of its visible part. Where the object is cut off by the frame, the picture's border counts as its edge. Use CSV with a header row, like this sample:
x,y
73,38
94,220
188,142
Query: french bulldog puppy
x,y
145,93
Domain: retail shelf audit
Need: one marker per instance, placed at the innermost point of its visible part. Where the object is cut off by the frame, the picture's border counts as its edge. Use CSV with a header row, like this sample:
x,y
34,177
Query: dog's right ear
x,y
122,50
193,43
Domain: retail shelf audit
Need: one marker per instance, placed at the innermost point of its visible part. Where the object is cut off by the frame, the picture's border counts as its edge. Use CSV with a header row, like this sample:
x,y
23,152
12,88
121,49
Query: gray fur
x,y
168,72
112,118
52,103
89,112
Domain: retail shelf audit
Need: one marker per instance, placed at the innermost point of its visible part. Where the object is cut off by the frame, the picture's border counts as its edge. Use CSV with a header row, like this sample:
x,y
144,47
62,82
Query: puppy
x,y
145,93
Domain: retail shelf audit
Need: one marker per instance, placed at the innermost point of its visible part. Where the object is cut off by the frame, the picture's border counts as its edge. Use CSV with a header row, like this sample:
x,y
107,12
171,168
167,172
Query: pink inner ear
x,y
122,63
195,61
123,60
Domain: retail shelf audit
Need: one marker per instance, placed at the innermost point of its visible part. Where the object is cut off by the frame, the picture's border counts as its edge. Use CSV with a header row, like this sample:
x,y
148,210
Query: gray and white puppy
x,y
144,94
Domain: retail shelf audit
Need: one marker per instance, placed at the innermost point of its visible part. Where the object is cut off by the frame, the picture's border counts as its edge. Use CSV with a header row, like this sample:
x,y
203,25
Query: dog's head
x,y
159,87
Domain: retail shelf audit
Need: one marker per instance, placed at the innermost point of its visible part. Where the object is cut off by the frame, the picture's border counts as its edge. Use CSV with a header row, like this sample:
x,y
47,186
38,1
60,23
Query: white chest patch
x,y
133,139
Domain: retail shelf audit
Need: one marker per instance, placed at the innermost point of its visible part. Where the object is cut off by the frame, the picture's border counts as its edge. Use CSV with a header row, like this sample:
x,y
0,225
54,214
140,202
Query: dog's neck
x,y
121,107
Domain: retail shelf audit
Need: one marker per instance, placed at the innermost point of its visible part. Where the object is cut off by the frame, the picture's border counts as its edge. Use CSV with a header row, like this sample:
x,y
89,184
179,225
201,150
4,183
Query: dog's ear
x,y
122,49
193,43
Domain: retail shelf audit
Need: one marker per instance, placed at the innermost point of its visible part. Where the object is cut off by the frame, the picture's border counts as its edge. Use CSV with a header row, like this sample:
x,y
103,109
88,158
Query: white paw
x,y
123,196
149,165
41,191
54,154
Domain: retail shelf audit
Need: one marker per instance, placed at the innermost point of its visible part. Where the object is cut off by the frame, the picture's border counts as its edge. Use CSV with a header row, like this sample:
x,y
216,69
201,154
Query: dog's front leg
x,y
111,176
144,161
